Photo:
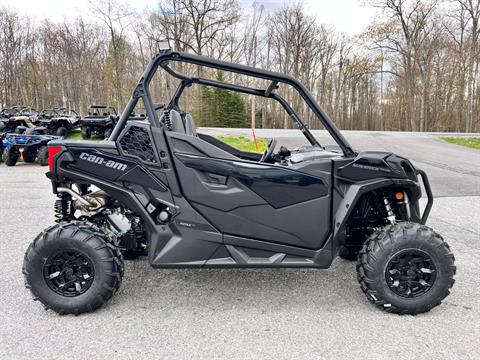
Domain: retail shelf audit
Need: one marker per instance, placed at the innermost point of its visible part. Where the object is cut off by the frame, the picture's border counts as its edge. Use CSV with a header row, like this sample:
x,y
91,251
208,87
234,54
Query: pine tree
x,y
223,108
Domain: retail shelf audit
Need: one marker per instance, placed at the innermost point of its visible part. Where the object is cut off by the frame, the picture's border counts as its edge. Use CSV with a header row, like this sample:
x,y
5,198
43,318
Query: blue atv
x,y
31,145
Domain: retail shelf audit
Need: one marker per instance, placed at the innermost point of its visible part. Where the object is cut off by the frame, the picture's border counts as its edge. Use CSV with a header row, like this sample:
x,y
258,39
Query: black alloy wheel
x,y
410,273
69,272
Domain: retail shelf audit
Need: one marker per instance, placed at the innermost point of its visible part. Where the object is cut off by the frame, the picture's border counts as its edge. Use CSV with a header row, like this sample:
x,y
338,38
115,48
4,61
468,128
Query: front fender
x,y
347,199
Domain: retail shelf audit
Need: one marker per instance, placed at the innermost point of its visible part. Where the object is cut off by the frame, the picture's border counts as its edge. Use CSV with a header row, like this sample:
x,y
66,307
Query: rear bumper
x,y
95,126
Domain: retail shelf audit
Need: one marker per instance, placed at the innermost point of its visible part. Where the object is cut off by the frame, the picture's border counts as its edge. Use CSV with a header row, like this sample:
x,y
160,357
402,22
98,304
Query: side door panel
x,y
248,199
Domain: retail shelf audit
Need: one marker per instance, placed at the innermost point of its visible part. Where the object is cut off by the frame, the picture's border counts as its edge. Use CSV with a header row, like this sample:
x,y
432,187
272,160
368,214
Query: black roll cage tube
x,y
162,59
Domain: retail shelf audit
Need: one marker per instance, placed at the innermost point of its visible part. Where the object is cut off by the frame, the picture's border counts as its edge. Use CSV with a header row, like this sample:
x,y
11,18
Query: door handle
x,y
217,179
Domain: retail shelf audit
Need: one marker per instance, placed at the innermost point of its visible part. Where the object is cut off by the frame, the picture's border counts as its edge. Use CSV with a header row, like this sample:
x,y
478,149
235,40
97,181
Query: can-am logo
x,y
102,161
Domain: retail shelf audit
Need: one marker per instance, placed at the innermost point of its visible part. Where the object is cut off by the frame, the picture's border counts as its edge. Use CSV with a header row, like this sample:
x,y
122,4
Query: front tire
x,y
62,131
71,268
406,268
10,155
86,133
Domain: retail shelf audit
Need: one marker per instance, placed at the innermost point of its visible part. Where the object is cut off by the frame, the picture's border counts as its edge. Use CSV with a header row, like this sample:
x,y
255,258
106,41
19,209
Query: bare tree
x,y
117,17
416,68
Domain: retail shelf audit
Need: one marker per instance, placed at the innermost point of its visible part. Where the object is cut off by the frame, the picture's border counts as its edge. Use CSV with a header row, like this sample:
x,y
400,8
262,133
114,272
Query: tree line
x,y
416,67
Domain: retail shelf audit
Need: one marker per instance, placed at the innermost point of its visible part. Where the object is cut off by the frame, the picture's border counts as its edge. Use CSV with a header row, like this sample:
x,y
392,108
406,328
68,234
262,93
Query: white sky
x,y
347,16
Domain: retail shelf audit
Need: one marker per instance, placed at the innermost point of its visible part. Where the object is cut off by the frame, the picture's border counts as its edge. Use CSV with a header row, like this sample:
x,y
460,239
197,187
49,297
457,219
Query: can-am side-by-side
x,y
184,199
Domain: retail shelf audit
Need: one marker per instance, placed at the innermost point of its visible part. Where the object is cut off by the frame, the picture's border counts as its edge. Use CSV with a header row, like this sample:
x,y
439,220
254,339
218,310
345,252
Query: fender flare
x,y
349,199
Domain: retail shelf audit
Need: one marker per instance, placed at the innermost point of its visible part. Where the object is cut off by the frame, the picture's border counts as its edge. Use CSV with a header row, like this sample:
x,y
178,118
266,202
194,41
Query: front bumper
x,y
428,191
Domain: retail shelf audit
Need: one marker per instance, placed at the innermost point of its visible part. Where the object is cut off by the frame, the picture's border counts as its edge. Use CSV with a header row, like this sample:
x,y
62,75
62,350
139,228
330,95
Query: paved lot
x,y
248,314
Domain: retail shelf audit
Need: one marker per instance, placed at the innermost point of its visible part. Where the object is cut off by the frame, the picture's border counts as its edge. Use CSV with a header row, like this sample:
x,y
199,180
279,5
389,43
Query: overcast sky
x,y
345,15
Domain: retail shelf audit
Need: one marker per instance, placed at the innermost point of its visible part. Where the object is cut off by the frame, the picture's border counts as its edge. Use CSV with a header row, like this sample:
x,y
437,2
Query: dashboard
x,y
302,154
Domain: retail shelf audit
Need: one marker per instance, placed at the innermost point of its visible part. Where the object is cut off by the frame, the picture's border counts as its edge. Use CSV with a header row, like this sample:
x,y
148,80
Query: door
x,y
253,200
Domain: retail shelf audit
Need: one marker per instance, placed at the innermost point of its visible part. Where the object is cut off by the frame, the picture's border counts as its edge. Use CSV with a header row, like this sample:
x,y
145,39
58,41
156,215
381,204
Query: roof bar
x,y
271,87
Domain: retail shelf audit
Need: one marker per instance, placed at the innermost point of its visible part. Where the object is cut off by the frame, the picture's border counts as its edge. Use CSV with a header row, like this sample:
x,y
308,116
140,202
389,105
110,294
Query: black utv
x,y
59,120
100,121
187,200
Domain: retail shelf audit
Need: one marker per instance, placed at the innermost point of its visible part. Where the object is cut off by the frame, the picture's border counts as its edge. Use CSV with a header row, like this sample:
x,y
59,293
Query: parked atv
x,y
31,145
100,121
189,200
59,121
18,116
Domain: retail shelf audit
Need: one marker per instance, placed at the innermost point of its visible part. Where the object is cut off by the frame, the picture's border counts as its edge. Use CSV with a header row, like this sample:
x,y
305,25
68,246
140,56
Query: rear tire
x,y
71,268
86,133
406,268
10,156
43,155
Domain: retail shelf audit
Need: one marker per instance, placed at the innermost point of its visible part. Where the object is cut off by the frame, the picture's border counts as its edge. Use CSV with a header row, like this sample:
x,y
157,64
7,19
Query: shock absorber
x,y
390,215
62,207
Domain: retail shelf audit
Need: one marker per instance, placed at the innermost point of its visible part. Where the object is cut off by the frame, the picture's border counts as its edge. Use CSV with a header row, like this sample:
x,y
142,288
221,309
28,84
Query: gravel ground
x,y
246,314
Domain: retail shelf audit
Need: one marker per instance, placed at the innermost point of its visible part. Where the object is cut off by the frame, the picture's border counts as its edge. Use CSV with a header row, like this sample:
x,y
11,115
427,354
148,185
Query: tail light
x,y
52,151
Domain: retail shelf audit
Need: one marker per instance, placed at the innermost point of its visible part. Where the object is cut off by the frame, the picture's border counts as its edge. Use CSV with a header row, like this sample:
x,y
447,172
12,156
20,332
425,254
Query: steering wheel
x,y
267,155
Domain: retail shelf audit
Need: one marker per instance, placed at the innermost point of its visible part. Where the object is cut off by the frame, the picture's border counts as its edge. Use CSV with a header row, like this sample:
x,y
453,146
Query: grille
x,y
136,142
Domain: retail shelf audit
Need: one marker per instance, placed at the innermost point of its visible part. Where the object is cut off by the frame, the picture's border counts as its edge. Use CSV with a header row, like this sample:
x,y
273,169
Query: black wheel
x,y
43,155
71,268
107,133
86,133
406,268
61,131
28,156
350,252
10,156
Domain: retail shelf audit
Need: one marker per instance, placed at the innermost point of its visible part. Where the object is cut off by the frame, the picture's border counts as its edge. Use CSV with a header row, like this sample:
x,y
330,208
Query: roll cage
x,y
163,59
96,109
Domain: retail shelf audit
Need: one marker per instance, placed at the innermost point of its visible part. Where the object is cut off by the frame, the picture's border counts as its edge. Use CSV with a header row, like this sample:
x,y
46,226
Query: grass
x,y
471,142
240,142
244,144
77,135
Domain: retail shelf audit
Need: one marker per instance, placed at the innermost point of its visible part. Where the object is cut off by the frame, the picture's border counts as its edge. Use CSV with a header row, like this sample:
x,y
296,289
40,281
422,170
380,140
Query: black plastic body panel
x,y
373,165
278,186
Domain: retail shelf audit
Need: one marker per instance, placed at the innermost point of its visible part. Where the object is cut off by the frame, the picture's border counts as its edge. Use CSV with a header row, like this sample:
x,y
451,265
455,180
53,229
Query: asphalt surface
x,y
246,314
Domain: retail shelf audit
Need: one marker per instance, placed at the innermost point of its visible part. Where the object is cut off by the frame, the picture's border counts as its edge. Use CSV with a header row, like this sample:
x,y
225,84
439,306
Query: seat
x,y
190,128
41,130
177,122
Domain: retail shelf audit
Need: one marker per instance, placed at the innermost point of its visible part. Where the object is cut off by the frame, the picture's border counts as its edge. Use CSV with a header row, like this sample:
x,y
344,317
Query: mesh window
x,y
136,142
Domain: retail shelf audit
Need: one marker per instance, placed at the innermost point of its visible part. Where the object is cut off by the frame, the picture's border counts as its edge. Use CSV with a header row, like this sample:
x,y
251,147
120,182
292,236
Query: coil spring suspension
x,y
390,214
166,119
62,207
